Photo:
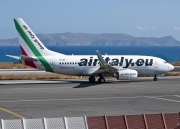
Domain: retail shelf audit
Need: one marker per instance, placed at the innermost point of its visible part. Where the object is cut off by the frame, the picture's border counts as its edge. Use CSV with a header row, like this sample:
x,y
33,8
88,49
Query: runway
x,y
57,98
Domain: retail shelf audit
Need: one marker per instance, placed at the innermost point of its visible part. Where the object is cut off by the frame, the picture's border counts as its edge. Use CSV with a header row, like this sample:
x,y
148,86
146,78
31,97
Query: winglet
x,y
100,58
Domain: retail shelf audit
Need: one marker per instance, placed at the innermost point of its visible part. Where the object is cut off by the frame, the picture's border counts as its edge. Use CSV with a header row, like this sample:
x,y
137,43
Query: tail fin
x,y
30,44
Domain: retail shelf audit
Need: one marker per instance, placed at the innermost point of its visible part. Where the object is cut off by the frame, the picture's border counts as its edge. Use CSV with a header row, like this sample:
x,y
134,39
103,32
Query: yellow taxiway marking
x,y
12,113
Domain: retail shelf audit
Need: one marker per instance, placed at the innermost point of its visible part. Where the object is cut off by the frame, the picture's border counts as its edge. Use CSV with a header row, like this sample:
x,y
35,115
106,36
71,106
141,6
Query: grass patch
x,y
172,74
175,63
37,77
10,65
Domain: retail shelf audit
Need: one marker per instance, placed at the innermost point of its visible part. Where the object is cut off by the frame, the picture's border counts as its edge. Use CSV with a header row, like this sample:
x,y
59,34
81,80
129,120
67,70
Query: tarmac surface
x,y
57,98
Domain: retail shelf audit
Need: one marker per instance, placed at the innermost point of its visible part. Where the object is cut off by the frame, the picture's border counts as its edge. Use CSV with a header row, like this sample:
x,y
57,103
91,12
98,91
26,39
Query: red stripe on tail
x,y
28,63
23,52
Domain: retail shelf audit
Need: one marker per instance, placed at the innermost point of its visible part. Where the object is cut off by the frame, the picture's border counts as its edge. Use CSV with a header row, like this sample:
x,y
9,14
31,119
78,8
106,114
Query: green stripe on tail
x,y
32,47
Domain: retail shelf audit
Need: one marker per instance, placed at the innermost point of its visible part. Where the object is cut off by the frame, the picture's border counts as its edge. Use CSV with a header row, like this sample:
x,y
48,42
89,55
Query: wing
x,y
104,66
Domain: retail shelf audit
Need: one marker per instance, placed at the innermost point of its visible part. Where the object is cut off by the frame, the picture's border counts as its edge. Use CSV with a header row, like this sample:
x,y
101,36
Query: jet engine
x,y
127,74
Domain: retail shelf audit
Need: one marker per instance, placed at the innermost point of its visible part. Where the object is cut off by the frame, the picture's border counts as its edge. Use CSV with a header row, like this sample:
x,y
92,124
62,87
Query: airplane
x,y
36,55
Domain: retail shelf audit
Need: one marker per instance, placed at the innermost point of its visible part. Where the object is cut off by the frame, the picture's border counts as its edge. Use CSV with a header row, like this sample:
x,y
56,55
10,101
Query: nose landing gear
x,y
155,78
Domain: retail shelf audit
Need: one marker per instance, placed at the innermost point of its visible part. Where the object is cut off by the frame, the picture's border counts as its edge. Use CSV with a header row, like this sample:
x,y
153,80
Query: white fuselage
x,y
89,64
36,55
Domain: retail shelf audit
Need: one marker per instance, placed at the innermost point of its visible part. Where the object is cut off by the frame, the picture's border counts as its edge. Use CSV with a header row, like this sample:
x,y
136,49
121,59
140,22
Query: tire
x,y
92,79
101,80
155,79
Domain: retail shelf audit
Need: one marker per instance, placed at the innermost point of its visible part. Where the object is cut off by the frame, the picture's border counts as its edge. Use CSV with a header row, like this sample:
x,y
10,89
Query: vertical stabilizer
x,y
33,50
29,42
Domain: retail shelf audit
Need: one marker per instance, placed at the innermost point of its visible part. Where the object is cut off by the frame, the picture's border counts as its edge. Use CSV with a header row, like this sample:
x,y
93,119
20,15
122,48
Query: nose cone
x,y
171,67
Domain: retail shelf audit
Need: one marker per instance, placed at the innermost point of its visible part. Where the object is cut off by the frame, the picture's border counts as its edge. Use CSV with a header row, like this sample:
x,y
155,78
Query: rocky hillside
x,y
105,39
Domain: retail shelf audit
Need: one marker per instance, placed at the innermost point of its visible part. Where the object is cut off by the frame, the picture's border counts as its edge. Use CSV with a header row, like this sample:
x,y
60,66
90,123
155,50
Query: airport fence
x,y
142,121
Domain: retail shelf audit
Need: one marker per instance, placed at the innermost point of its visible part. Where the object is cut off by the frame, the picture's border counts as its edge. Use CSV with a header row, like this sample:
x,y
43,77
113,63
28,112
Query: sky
x,y
140,18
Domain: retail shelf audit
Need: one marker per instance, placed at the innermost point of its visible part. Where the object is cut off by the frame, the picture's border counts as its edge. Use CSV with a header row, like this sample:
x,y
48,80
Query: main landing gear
x,y
100,79
92,79
155,78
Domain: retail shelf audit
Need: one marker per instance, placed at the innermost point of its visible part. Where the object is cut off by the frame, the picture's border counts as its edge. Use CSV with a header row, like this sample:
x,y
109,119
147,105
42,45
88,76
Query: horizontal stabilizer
x,y
15,57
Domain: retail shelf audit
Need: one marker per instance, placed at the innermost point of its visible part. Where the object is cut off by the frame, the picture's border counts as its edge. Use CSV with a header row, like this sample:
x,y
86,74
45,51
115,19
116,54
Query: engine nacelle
x,y
127,74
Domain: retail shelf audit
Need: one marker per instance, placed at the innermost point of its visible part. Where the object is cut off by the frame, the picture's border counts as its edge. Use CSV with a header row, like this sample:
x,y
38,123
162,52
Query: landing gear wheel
x,y
155,78
92,79
101,80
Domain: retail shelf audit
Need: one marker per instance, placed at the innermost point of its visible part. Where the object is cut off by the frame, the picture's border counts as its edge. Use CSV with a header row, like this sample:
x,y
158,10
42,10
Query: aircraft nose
x,y
171,67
